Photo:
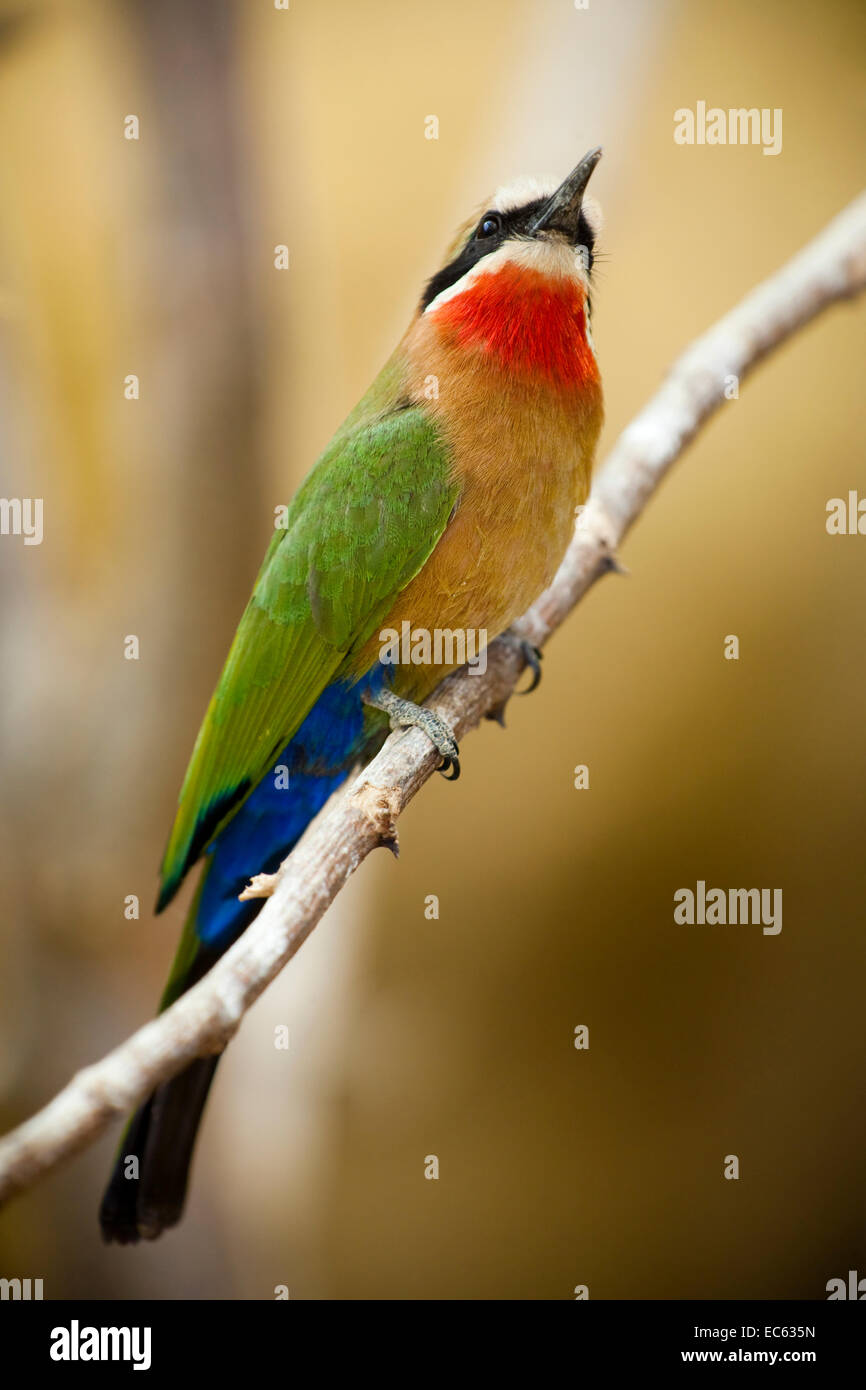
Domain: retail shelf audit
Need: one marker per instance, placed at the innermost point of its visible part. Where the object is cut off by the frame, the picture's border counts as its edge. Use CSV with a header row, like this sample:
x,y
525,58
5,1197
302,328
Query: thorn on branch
x,y
497,713
610,563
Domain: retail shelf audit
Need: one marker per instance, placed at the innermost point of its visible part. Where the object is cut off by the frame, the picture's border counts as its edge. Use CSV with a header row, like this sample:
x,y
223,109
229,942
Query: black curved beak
x,y
562,212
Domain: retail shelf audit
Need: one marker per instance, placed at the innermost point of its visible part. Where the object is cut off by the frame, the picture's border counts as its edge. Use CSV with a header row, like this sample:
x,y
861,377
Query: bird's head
x,y
519,275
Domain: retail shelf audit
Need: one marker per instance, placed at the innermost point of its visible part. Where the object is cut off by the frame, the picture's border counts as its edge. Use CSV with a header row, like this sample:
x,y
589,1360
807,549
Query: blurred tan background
x,y
453,1037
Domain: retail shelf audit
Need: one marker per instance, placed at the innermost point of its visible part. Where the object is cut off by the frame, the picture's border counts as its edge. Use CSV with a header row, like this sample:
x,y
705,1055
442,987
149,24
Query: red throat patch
x,y
533,324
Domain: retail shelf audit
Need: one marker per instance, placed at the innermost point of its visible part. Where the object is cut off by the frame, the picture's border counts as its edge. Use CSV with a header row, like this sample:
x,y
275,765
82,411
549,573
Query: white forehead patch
x,y
523,191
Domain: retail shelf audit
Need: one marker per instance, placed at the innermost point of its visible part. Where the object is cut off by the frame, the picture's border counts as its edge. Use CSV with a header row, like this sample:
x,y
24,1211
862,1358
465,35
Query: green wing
x,y
359,529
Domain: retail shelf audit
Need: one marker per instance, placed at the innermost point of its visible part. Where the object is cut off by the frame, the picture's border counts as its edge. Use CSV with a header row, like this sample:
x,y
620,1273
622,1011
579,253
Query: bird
x,y
446,500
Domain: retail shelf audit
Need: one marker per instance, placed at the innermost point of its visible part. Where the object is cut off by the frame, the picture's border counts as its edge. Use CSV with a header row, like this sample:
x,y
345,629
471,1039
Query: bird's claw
x,y
532,659
439,734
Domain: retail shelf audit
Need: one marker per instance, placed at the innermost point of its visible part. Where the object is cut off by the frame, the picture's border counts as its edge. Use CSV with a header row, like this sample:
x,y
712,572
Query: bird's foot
x,y
404,715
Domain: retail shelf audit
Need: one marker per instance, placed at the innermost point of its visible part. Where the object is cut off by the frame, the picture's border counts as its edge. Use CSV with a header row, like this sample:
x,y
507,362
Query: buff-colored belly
x,y
500,550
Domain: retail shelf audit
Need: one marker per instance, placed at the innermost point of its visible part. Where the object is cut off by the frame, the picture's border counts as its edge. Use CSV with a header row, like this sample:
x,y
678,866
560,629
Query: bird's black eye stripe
x,y
489,234
481,243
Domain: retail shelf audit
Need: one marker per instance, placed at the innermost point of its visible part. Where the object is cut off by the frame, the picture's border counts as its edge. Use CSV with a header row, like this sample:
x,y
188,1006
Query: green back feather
x,y
359,529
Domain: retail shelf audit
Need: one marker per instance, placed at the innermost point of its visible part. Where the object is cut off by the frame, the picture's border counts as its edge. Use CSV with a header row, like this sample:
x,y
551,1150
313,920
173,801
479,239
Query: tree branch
x,y
363,814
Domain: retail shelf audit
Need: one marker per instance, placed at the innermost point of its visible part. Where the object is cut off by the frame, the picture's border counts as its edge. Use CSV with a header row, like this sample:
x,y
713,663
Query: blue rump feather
x,y
274,816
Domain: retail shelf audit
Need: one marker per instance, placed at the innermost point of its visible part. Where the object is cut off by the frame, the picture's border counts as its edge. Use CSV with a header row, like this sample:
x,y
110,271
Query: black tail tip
x,y
128,1225
147,1189
130,1212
